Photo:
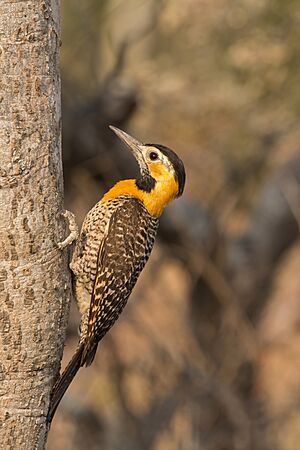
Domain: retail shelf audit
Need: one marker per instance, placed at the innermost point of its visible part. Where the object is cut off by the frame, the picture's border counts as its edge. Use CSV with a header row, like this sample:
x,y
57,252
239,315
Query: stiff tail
x,y
88,353
64,381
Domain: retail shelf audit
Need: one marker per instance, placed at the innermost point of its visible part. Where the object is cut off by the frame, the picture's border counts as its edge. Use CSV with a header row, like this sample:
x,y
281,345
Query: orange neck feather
x,y
155,201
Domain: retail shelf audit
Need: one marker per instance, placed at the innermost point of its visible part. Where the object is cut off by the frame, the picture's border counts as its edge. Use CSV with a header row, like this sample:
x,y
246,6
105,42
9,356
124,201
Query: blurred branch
x,y
149,425
133,38
232,307
291,191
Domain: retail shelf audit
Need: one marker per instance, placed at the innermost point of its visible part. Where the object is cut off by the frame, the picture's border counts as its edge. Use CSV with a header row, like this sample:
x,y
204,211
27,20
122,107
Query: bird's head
x,y
162,173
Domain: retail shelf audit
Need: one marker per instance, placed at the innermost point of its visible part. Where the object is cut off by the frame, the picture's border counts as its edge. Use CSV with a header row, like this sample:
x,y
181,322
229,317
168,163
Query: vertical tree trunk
x,y
34,281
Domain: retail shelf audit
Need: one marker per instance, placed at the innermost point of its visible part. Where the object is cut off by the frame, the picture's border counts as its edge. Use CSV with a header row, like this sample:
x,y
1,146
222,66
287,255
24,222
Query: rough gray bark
x,y
34,281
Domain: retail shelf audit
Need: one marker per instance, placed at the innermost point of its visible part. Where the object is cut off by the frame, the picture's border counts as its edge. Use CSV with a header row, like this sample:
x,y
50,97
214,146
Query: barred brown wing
x,y
123,253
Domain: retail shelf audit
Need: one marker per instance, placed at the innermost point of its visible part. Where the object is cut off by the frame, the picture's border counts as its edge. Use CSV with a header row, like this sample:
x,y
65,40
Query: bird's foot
x,y
73,228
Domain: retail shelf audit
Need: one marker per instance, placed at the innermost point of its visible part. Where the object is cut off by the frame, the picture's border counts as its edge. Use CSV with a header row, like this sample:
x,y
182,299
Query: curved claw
x,y
73,228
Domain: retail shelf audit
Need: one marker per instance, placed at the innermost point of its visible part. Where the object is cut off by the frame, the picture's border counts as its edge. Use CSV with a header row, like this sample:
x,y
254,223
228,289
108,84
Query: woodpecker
x,y
114,245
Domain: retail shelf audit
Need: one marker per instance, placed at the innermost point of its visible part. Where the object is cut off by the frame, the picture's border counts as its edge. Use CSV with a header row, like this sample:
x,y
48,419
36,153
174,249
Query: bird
x,y
115,242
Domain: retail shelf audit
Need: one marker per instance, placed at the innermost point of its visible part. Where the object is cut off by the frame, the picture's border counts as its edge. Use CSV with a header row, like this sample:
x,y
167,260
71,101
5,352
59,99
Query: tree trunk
x,y
34,281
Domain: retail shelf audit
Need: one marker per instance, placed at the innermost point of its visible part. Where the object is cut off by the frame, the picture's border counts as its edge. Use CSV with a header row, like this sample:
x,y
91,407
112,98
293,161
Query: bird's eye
x,y
153,156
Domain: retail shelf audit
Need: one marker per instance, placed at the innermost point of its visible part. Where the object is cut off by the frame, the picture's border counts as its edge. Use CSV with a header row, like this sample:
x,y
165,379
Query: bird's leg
x,y
73,228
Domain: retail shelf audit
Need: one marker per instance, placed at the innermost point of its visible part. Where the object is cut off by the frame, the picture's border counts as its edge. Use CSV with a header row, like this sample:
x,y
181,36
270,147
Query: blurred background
x,y
206,355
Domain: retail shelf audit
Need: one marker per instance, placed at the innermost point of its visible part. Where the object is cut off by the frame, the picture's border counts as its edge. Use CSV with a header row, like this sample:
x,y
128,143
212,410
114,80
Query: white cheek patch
x,y
166,162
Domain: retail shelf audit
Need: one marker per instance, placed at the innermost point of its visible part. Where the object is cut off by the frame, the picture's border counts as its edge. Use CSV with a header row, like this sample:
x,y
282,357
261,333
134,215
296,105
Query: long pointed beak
x,y
132,143
129,140
135,147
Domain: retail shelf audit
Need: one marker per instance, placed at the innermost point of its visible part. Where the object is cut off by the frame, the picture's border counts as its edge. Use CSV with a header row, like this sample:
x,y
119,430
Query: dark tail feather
x,y
89,353
64,381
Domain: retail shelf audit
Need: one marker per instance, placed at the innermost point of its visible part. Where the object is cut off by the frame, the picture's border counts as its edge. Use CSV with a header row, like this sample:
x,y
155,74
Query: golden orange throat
x,y
155,201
